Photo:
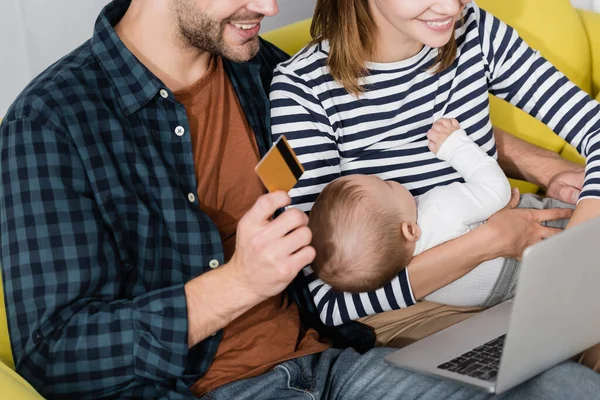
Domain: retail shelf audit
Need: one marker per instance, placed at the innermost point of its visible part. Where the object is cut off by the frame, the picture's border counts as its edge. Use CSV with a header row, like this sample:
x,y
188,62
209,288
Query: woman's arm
x,y
506,234
443,264
518,74
586,209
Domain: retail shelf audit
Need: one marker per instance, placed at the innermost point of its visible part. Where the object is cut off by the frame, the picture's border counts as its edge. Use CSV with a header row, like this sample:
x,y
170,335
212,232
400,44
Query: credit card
x,y
279,169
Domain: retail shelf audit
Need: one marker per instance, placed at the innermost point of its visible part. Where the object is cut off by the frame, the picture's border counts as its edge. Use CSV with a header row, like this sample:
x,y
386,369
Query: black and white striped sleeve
x,y
521,76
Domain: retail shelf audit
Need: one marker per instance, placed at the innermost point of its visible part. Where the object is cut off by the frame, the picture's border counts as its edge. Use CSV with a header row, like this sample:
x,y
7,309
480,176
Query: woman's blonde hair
x,y
350,28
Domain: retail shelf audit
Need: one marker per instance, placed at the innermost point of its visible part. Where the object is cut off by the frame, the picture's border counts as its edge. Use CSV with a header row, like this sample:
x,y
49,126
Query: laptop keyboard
x,y
481,362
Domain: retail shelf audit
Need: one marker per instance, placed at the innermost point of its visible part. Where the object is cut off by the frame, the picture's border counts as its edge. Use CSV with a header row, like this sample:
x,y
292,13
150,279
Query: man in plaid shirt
x,y
123,276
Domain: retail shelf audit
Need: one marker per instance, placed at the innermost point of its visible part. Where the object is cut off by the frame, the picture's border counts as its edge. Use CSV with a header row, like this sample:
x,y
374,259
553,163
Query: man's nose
x,y
267,8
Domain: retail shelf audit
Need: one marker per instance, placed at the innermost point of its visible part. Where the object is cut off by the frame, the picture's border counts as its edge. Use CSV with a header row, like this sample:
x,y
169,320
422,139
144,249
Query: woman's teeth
x,y
245,26
441,23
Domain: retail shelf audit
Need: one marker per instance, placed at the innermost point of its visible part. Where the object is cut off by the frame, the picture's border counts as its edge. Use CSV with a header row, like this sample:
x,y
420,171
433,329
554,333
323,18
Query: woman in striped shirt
x,y
360,99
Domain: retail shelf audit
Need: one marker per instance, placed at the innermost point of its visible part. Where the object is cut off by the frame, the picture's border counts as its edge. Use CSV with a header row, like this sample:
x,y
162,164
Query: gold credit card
x,y
279,169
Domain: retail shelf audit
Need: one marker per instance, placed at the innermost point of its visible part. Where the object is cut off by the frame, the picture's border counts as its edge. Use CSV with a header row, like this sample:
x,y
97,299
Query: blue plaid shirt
x,y
101,227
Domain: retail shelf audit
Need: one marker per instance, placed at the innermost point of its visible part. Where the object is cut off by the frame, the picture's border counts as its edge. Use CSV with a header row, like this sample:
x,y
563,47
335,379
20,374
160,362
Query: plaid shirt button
x,y
191,197
38,337
164,94
179,131
213,264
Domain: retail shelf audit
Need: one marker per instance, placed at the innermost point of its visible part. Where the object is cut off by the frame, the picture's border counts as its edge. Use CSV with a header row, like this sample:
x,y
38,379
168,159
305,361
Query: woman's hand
x,y
514,229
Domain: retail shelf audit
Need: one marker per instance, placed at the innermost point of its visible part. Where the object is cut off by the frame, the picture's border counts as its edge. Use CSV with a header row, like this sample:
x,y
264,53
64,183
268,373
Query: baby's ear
x,y
410,231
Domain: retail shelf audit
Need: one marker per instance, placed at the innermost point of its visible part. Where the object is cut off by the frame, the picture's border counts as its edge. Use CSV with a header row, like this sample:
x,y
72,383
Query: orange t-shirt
x,y
225,154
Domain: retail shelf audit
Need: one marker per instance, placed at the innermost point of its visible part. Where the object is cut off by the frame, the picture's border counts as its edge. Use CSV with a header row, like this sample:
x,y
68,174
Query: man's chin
x,y
242,53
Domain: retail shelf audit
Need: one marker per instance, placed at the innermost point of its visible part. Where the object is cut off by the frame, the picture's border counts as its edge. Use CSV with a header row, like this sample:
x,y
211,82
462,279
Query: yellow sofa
x,y
12,386
574,48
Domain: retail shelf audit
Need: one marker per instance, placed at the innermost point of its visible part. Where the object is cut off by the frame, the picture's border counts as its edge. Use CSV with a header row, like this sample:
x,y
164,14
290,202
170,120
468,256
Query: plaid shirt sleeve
x,y
72,338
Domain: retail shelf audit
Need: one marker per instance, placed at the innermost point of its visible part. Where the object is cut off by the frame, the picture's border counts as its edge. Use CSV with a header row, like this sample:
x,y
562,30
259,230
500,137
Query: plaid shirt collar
x,y
135,84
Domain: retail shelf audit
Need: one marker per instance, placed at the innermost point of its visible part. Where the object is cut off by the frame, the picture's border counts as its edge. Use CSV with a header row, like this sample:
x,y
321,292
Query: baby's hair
x,y
358,243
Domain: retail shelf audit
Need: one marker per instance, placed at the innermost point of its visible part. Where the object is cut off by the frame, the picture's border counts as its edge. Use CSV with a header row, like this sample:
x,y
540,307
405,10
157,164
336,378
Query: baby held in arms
x,y
366,230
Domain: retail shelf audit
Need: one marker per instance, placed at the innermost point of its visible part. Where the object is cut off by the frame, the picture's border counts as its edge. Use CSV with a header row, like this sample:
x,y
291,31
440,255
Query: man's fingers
x,y
552,214
295,241
265,207
290,220
547,232
302,258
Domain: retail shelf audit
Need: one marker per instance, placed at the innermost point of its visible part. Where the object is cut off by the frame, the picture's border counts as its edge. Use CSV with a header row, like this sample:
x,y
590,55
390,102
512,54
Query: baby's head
x,y
364,232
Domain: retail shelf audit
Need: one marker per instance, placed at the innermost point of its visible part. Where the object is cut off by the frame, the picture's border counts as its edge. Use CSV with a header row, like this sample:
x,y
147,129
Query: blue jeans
x,y
345,374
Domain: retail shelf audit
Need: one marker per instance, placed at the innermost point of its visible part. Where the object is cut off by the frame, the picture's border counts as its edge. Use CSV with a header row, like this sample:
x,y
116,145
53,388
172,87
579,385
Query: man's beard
x,y
198,31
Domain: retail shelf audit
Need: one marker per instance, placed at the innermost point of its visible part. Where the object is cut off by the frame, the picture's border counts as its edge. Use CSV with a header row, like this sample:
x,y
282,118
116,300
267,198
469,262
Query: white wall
x,y
36,33
587,4
289,11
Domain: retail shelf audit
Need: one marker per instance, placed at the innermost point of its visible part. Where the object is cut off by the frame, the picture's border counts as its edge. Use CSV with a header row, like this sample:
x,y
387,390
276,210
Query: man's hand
x,y
270,253
566,186
439,132
268,256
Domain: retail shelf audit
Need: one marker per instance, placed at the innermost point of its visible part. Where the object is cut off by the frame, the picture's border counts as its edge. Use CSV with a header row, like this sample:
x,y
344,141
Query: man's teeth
x,y
442,23
245,26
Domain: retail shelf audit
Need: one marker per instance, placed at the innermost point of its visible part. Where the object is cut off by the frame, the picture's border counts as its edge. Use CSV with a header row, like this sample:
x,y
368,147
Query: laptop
x,y
553,316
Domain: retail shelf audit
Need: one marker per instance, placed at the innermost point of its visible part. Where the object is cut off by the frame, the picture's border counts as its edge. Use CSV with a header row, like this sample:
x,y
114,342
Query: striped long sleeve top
x,y
383,131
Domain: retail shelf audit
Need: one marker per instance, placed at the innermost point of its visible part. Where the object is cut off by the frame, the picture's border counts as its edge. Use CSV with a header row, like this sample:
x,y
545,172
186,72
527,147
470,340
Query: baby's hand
x,y
439,132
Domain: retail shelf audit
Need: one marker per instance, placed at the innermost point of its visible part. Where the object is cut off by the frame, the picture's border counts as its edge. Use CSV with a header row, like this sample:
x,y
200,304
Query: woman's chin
x,y
440,42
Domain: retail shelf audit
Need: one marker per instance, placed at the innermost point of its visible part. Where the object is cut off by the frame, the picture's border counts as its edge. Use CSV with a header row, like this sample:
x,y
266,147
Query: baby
x,y
366,230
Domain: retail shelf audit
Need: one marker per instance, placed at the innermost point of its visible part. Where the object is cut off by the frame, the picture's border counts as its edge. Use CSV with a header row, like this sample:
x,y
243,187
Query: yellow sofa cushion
x,y
12,386
5,351
591,22
291,38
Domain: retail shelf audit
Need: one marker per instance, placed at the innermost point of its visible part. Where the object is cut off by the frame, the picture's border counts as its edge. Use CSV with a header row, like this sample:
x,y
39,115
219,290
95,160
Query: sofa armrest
x,y
591,22
12,386
5,350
